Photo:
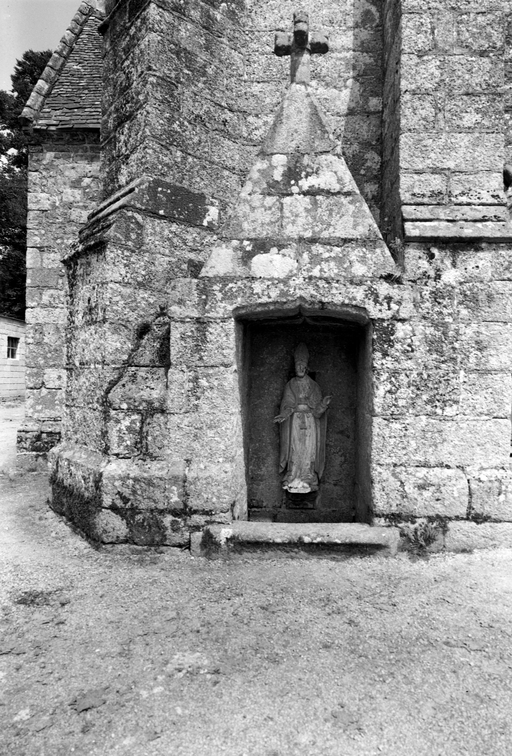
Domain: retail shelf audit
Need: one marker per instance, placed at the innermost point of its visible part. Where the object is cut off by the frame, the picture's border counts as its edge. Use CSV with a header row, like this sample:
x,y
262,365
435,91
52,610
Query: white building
x,y
12,357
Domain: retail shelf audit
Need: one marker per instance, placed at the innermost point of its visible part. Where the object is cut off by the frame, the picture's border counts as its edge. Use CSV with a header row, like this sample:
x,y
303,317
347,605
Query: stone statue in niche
x,y
303,423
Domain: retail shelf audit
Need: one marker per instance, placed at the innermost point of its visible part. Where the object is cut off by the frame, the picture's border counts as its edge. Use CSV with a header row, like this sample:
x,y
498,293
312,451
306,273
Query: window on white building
x,y
12,347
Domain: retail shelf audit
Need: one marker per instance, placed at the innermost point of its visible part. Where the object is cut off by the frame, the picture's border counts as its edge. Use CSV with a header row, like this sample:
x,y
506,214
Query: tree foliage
x,y
13,182
26,73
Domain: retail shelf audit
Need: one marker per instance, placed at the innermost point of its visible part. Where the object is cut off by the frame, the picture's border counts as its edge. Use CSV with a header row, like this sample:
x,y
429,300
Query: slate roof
x,y
68,94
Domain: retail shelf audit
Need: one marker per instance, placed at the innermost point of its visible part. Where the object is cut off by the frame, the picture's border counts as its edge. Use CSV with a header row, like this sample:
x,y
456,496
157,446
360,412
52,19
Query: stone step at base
x,y
314,516
301,539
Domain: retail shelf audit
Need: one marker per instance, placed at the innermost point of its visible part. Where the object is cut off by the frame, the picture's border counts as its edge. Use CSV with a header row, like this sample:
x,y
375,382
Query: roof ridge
x,y
51,73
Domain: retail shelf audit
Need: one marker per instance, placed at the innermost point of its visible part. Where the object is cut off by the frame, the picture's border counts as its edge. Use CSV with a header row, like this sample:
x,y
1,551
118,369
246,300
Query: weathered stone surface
x,y
44,403
202,436
211,487
418,33
328,218
425,388
458,152
84,425
124,433
468,536
470,264
273,265
154,485
109,527
447,230
62,183
420,491
180,262
423,187
476,187
320,201
487,213
486,394
77,468
108,343
222,298
491,494
492,303
473,112
212,390
256,217
164,199
299,126
486,346
208,343
341,537
139,388
176,533
424,441
353,260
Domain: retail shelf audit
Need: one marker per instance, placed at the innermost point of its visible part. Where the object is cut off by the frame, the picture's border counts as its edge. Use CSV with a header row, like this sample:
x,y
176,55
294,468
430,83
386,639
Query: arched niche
x,y
339,343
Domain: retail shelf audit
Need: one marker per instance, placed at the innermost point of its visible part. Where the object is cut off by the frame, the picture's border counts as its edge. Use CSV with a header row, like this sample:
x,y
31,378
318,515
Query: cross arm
x,y
283,43
318,44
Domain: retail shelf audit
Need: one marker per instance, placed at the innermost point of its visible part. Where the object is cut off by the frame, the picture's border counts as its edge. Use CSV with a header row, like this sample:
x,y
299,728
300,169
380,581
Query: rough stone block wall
x,y
170,96
508,87
154,441
347,82
452,104
12,371
192,89
443,389
64,187
391,225
119,390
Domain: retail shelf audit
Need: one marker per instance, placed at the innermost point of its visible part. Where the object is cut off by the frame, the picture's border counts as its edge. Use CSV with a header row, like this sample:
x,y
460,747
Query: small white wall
x,y
12,371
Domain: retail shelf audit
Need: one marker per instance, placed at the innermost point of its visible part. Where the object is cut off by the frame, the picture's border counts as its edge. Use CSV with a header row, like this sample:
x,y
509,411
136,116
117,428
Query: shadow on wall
x,y
355,110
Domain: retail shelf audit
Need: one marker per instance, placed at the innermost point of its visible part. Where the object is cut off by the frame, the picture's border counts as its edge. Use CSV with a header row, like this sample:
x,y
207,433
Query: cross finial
x,y
300,46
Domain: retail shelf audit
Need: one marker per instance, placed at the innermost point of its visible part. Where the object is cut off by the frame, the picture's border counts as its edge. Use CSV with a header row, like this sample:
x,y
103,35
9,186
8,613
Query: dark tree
x,y
13,182
26,73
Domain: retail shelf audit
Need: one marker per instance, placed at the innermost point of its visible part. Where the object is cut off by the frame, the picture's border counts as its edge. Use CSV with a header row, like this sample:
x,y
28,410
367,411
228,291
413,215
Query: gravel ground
x,y
149,652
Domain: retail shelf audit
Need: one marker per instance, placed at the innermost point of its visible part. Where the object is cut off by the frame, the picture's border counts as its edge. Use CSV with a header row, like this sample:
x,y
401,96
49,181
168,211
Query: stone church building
x,y
213,184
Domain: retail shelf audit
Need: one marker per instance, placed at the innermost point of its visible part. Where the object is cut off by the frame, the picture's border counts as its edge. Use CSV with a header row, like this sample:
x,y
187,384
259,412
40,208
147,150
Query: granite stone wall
x,y
443,391
193,88
64,187
178,259
391,224
347,81
452,120
170,96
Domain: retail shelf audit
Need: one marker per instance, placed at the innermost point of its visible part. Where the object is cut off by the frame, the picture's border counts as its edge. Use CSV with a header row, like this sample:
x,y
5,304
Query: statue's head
x,y
301,356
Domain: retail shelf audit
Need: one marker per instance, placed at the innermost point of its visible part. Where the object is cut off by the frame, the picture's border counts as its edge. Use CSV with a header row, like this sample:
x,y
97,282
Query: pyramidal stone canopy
x,y
300,209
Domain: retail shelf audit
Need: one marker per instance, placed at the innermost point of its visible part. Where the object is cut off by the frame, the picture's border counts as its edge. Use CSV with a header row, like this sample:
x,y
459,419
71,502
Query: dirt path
x,y
126,651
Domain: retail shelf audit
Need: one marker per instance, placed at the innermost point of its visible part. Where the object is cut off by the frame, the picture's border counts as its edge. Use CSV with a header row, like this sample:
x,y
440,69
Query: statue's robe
x,y
302,435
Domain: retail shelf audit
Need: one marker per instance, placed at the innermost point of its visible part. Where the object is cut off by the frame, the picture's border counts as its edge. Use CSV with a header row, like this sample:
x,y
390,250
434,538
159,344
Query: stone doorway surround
x,y
340,358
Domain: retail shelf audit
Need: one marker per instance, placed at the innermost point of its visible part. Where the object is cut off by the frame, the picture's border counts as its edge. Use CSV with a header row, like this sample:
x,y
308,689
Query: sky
x,y
30,25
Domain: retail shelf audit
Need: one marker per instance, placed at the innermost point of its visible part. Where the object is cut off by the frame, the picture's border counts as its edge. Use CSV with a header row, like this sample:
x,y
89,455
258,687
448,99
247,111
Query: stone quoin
x,y
196,212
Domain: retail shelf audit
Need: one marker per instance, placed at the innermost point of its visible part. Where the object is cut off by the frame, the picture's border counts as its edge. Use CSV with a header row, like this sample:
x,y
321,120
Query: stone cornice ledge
x,y
457,223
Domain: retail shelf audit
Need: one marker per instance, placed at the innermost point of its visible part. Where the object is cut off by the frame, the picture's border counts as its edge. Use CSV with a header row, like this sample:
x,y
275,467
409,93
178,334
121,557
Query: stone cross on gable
x,y
300,46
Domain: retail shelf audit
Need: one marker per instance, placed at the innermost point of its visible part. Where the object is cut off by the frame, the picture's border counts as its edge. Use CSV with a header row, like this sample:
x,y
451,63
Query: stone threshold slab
x,y
316,539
